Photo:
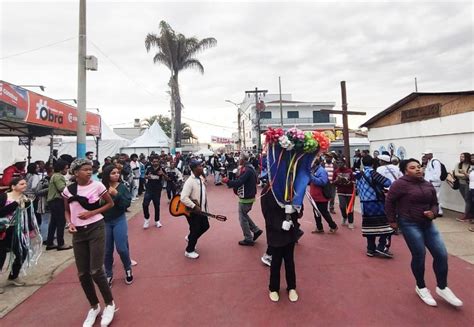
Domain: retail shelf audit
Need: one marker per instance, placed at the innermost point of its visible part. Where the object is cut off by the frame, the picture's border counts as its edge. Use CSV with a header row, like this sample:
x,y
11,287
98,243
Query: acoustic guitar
x,y
177,208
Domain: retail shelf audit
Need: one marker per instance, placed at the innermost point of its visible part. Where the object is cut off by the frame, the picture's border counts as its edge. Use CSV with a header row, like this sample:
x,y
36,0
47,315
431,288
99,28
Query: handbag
x,y
452,181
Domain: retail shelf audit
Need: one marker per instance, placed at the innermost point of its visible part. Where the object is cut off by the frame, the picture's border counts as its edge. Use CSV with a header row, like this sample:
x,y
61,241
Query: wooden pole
x,y
345,125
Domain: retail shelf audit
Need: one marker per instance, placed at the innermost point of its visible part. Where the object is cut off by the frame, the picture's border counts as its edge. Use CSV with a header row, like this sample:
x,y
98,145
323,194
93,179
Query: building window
x,y
320,117
266,115
293,114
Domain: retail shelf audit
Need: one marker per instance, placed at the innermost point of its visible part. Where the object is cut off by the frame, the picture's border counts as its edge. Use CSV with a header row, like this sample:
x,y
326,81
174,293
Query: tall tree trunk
x,y
177,111
172,106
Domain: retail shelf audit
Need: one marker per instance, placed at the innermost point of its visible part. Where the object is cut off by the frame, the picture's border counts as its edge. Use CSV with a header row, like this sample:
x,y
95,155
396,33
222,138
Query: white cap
x,y
384,157
428,151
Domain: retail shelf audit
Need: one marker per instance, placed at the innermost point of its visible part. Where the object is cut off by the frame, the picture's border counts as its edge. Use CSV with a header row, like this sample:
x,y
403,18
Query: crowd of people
x,y
90,200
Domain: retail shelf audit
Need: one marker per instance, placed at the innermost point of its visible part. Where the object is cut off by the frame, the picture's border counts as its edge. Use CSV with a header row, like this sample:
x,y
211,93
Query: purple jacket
x,y
409,197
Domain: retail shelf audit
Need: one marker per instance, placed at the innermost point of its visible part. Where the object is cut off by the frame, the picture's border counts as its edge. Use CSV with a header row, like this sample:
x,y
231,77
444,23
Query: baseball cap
x,y
194,163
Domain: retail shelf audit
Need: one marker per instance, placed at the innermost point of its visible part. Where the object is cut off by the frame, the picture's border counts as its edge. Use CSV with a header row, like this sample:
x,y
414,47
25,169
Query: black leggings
x,y
279,254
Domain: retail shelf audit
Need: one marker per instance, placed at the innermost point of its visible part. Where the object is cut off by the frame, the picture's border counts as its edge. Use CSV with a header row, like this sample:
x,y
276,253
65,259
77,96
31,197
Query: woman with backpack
x,y
321,194
83,202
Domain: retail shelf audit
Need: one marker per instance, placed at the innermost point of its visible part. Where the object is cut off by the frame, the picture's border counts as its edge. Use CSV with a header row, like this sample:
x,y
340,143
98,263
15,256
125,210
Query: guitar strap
x,y
201,200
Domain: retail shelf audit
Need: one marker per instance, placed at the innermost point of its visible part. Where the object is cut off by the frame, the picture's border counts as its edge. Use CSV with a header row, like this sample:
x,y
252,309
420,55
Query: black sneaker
x,y
246,243
257,235
384,253
128,277
370,253
109,281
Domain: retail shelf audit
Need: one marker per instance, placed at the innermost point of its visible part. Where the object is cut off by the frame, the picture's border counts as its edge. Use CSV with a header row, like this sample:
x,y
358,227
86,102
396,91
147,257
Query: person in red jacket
x,y
344,181
17,170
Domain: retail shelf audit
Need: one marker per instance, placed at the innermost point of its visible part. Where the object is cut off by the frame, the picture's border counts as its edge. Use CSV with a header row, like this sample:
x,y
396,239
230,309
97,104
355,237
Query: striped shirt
x,y
330,170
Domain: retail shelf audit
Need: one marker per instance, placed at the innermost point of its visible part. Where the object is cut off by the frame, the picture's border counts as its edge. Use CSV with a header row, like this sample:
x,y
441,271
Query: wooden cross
x,y
345,124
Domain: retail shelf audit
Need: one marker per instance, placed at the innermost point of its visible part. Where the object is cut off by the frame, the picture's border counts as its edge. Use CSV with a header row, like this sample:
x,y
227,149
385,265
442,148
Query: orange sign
x,y
44,111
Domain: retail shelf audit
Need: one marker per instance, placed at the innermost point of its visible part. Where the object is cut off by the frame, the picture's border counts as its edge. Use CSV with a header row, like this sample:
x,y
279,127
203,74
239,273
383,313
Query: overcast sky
x,y
378,48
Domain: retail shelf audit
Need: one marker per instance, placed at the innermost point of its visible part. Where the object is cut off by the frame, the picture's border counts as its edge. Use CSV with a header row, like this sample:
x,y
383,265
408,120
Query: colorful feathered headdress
x,y
290,155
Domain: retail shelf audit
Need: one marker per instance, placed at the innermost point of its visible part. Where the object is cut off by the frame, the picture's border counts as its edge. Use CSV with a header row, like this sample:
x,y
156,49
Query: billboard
x,y
221,140
32,108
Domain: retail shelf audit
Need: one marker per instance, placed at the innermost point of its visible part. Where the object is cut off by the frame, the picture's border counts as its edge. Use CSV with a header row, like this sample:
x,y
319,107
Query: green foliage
x,y
165,123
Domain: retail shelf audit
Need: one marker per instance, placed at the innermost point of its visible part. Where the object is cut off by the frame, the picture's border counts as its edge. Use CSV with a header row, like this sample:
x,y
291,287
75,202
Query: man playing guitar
x,y
194,197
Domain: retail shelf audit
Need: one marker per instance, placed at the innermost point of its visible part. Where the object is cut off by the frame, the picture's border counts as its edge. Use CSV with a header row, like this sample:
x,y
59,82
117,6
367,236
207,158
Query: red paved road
x,y
227,285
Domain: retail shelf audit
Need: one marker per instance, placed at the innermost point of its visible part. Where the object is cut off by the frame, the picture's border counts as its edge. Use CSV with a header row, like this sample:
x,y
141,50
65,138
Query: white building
x,y
303,115
442,122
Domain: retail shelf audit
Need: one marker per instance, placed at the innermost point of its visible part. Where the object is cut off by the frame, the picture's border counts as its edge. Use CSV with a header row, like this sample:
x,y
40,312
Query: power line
x,y
210,124
36,49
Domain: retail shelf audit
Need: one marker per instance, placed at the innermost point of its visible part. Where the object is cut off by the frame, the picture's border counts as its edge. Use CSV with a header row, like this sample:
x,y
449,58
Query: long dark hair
x,y
31,169
106,175
467,159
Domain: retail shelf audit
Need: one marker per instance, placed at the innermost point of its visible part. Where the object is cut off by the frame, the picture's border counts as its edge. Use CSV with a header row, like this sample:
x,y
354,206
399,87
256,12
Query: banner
x,y
37,109
221,140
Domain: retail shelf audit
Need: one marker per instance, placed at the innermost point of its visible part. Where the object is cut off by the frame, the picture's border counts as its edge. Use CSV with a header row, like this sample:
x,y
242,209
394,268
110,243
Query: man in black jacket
x,y
246,187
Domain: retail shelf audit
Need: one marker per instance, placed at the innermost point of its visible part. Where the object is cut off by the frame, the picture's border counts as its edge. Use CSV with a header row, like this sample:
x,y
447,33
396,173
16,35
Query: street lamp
x,y
42,87
239,140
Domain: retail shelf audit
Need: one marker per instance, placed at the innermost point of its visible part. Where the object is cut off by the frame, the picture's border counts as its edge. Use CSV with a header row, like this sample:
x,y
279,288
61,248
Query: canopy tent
x,y
153,139
29,115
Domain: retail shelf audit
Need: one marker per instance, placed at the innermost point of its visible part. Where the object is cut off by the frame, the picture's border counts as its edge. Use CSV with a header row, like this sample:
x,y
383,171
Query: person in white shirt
x,y
135,167
194,197
471,192
433,175
387,169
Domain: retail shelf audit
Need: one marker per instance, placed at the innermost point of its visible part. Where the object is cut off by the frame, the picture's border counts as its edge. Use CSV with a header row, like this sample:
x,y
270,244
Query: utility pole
x,y
256,92
345,124
239,128
416,85
81,83
281,105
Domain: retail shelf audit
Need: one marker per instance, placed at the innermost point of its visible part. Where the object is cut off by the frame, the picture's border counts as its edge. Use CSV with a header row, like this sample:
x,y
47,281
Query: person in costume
x,y
289,159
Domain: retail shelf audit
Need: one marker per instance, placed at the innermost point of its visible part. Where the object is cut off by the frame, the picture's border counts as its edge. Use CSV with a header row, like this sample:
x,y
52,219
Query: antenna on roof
x,y
416,85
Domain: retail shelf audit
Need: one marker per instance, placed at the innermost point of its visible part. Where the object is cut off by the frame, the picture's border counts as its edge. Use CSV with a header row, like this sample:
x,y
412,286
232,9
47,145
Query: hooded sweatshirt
x,y
409,197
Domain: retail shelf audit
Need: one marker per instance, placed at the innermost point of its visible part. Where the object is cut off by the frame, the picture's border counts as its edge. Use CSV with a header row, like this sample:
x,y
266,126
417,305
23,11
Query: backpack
x,y
444,172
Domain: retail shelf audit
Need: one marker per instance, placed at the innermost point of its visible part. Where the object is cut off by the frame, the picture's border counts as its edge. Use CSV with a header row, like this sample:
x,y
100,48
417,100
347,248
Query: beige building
x,y
442,122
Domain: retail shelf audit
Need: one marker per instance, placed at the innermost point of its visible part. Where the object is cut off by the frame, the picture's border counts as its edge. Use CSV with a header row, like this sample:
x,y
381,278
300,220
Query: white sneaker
x,y
267,259
344,222
351,226
146,224
449,296
425,295
292,295
91,317
191,255
158,224
107,315
274,296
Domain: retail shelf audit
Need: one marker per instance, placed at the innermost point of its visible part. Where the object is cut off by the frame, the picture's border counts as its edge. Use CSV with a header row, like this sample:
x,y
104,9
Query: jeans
x,y
57,222
464,190
89,245
116,233
134,187
323,208
343,202
419,236
384,242
155,196
279,254
246,223
170,190
333,196
198,225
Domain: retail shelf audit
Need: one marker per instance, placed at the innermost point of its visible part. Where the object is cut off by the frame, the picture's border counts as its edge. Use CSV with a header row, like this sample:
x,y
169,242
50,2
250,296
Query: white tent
x,y
109,145
205,152
153,139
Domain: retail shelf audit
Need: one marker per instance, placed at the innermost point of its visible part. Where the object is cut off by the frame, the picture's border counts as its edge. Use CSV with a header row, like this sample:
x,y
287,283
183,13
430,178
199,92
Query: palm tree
x,y
177,52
